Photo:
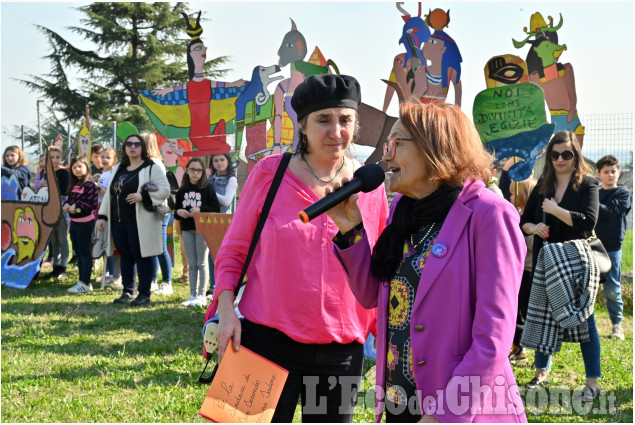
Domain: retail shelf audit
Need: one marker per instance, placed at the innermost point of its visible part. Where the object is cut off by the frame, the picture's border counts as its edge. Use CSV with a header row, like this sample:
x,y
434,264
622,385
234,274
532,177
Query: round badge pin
x,y
439,249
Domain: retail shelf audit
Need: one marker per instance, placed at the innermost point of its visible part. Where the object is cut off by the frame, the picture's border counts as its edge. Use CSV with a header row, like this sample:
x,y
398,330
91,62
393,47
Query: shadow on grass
x,y
136,376
89,324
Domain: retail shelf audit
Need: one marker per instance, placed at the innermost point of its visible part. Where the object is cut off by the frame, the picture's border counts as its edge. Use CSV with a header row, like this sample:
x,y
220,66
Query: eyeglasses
x,y
390,147
195,170
133,144
566,155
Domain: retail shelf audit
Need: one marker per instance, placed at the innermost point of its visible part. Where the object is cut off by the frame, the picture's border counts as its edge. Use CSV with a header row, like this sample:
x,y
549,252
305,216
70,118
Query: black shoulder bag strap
x,y
273,189
271,194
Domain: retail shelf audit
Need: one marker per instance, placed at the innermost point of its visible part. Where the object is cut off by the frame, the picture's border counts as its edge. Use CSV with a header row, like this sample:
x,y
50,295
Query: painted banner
x,y
510,115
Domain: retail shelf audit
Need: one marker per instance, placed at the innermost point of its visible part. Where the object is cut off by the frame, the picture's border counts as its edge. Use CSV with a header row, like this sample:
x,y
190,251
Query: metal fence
x,y
611,134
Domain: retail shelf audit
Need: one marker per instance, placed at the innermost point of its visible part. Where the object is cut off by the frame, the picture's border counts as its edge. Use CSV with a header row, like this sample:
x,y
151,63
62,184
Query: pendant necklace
x,y
321,179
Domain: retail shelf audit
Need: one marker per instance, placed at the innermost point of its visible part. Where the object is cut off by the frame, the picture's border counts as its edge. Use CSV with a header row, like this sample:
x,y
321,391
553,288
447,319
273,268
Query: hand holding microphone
x,y
341,206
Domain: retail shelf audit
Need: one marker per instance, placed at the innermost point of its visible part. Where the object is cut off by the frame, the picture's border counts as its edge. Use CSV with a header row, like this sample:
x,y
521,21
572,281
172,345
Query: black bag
x,y
174,187
601,256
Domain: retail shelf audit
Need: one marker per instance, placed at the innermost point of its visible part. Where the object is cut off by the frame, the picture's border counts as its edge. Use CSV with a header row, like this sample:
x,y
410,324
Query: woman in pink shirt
x,y
299,310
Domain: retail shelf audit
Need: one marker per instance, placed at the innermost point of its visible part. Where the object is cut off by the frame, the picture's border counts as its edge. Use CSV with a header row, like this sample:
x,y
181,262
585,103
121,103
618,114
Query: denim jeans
x,y
613,288
212,282
82,236
164,259
113,266
590,353
126,238
59,243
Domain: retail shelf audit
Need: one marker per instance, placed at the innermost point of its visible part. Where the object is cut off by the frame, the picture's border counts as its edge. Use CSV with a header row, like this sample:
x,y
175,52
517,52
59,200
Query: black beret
x,y
325,91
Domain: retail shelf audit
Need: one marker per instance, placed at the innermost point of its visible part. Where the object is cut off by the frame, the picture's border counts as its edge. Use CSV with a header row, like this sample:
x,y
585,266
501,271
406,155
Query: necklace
x,y
431,226
320,178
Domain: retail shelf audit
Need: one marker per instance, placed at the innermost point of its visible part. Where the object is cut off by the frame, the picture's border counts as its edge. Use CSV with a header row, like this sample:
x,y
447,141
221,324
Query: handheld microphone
x,y
366,178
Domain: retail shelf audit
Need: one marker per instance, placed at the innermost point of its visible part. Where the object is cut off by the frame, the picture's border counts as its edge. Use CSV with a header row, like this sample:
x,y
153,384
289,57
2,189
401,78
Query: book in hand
x,y
246,388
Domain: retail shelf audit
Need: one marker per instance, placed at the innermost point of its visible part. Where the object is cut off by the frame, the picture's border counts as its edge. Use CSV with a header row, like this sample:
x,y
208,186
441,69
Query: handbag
x,y
160,210
601,256
210,326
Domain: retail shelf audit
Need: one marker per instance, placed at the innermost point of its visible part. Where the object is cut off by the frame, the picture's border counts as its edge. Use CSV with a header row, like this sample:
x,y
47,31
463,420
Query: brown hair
x,y
449,140
524,190
607,161
581,169
73,178
125,161
202,183
151,145
58,150
21,157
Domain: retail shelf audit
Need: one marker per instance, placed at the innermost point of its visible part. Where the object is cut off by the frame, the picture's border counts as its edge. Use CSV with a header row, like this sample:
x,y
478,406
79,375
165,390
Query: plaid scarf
x,y
563,291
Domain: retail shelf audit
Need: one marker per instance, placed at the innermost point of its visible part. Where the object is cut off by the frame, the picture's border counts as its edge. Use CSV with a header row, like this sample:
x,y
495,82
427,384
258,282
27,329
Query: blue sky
x,y
361,37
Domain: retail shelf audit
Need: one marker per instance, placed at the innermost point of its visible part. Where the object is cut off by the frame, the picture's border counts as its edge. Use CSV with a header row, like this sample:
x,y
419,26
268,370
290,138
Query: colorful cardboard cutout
x,y
125,129
431,62
292,52
199,110
556,79
84,139
59,142
510,114
244,107
27,224
408,74
212,226
172,153
254,108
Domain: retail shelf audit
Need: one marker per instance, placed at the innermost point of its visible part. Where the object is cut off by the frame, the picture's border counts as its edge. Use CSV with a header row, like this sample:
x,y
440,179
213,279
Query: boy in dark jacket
x,y
615,203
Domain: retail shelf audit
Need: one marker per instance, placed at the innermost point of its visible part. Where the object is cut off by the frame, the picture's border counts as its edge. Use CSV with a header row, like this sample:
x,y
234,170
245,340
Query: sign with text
x,y
246,388
502,112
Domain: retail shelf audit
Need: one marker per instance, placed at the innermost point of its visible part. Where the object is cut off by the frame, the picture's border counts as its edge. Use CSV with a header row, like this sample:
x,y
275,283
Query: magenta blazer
x,y
464,312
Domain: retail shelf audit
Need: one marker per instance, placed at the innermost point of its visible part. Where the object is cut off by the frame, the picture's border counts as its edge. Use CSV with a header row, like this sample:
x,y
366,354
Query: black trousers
x,y
523,304
325,376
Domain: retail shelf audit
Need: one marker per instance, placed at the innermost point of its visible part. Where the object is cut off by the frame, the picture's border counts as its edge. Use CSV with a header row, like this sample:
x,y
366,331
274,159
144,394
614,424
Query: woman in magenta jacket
x,y
444,274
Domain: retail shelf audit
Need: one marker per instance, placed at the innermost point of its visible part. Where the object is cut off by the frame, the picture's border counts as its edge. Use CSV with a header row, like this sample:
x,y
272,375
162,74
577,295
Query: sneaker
x,y
58,272
154,286
588,393
188,302
165,289
535,383
140,300
116,284
209,294
183,279
80,287
199,301
617,333
125,298
108,281
519,356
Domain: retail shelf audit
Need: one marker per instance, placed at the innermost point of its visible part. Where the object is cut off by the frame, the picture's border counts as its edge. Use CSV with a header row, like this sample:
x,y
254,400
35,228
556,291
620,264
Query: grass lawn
x,y
627,252
81,358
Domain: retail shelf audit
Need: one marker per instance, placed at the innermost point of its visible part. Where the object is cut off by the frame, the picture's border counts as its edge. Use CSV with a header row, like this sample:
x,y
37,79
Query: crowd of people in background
x,y
85,188
362,254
